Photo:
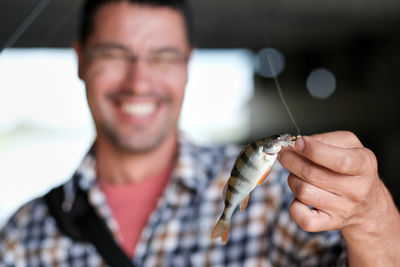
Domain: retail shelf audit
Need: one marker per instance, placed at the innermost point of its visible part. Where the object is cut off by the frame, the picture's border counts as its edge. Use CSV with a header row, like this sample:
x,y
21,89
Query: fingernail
x,y
299,144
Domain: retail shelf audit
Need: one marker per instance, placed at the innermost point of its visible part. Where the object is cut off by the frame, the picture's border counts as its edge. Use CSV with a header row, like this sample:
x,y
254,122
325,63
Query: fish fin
x,y
263,178
221,229
243,203
224,191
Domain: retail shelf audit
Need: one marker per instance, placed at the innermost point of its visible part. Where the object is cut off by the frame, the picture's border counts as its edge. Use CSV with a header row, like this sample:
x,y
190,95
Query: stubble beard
x,y
137,139
140,140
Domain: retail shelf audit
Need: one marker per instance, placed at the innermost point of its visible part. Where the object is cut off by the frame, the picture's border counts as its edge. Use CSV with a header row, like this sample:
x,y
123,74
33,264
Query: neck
x,y
121,167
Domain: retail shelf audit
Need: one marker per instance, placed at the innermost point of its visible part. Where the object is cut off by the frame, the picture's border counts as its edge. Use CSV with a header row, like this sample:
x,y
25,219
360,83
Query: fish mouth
x,y
286,139
275,143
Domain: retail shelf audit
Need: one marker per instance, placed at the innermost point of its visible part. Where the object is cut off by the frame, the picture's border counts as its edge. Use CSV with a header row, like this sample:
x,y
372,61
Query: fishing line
x,y
26,23
274,75
57,27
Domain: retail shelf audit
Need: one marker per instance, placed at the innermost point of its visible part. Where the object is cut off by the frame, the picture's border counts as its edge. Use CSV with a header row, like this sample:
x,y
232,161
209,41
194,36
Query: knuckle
x,y
361,193
371,160
366,163
351,136
310,172
305,193
302,191
346,163
358,196
307,224
302,219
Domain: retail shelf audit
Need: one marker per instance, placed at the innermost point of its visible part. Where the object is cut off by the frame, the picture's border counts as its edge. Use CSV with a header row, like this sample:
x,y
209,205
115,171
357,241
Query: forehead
x,y
139,25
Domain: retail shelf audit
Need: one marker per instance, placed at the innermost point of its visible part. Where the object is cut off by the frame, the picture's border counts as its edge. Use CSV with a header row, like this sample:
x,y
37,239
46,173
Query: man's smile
x,y
143,109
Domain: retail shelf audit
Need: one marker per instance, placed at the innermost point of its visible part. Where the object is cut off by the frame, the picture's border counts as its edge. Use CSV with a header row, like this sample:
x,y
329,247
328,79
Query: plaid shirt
x,y
178,231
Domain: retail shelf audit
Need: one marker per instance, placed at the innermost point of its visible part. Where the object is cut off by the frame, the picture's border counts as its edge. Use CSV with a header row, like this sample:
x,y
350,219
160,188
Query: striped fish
x,y
250,169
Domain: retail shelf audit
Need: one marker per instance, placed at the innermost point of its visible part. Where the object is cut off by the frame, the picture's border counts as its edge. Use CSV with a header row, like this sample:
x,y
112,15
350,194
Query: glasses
x,y
120,57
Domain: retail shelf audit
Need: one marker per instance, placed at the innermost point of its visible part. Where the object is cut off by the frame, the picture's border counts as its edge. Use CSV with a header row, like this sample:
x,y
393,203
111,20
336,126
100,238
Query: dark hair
x,y
90,8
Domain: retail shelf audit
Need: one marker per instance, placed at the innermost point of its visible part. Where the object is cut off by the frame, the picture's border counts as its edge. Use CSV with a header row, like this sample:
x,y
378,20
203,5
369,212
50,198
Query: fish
x,y
251,168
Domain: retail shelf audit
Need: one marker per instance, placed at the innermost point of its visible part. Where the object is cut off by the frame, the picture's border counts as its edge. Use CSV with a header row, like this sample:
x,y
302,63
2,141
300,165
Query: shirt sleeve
x,y
25,234
10,240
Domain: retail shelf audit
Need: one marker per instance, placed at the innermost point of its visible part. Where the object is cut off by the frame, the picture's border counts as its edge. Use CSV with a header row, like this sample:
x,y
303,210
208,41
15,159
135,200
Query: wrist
x,y
372,239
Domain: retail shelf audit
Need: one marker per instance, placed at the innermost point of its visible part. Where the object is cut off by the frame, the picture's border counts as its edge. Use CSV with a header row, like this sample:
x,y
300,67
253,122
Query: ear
x,y
79,50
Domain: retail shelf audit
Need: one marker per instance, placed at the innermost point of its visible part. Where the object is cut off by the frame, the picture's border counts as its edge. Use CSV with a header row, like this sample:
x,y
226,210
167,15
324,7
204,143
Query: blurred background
x,y
338,63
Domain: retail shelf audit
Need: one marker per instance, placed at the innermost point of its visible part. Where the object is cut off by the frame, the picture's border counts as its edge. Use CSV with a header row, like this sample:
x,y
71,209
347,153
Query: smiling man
x,y
134,64
160,196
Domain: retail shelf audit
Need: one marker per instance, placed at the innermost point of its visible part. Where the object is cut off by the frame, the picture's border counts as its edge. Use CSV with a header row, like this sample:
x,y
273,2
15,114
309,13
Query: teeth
x,y
139,109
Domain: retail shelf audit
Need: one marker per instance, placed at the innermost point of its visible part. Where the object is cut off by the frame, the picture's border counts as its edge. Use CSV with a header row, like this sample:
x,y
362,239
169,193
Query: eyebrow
x,y
166,49
112,45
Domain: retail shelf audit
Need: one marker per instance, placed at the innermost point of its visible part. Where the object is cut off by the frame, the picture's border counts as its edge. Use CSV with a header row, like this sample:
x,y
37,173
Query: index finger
x,y
349,161
339,138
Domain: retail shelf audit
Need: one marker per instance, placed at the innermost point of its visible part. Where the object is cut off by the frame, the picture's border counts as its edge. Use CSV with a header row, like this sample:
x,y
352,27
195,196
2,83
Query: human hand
x,y
337,176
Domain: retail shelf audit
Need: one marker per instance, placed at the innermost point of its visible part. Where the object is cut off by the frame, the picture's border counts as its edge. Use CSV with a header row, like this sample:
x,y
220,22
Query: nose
x,y
138,77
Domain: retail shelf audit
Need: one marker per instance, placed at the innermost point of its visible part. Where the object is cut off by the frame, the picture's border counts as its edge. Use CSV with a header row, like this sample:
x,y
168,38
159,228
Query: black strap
x,y
82,223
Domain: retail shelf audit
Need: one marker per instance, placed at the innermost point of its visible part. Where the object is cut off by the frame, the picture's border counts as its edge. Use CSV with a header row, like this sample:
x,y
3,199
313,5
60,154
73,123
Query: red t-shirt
x,y
132,204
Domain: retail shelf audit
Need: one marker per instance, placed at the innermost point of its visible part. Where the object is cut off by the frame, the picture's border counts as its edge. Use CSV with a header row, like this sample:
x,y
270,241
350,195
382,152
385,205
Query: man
x,y
161,196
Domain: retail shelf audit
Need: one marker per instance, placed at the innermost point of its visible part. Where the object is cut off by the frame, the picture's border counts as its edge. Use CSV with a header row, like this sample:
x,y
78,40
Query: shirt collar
x,y
191,166
191,173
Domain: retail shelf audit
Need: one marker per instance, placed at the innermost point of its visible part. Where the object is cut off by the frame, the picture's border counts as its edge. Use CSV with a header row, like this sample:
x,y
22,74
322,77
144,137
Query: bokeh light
x,y
321,83
270,62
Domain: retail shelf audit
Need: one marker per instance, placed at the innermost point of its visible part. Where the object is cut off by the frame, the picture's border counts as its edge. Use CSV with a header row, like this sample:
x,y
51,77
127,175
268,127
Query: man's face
x,y
135,70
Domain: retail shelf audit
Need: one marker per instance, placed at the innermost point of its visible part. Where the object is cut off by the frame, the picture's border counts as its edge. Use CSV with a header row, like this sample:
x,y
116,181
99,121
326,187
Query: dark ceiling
x,y
290,25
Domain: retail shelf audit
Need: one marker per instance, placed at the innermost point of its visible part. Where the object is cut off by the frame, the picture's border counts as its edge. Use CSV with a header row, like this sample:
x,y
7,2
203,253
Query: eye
x,y
166,57
276,137
113,54
109,54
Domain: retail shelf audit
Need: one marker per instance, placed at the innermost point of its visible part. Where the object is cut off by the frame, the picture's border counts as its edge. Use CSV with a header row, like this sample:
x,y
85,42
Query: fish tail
x,y
221,229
